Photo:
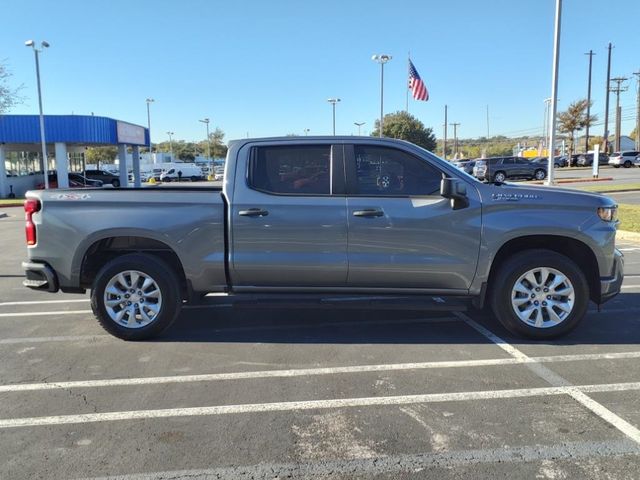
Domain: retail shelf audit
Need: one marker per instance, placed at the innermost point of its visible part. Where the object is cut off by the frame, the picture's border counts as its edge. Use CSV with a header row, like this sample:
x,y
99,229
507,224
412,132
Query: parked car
x,y
586,159
557,161
500,169
105,177
182,171
75,181
332,218
623,159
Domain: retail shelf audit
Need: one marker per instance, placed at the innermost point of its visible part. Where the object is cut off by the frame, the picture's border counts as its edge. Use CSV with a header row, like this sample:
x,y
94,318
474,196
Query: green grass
x,y
11,201
610,188
629,216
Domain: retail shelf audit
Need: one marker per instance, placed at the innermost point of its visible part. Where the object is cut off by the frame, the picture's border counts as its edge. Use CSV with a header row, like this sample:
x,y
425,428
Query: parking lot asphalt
x,y
254,393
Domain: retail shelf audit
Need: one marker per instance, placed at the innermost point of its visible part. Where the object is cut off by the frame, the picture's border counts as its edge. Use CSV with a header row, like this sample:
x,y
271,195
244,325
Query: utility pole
x,y
170,134
586,133
444,143
617,89
605,140
455,140
637,74
206,122
487,123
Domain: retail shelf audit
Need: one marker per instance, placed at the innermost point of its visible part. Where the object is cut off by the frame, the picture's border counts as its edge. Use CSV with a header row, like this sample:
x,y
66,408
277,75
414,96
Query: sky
x,y
263,68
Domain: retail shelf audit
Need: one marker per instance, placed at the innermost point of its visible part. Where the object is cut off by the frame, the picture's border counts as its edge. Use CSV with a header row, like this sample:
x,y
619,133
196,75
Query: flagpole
x,y
407,80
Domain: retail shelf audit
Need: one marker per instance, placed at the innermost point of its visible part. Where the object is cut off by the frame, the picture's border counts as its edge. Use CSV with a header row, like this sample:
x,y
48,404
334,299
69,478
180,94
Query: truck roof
x,y
324,138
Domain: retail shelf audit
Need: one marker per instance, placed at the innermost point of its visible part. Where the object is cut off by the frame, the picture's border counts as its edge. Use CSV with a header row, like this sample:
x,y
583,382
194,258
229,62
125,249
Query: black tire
x,y
505,278
115,183
166,280
556,165
540,174
627,164
194,179
499,177
616,166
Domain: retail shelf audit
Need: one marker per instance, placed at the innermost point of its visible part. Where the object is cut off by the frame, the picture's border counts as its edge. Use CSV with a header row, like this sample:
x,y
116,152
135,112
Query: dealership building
x,y
67,137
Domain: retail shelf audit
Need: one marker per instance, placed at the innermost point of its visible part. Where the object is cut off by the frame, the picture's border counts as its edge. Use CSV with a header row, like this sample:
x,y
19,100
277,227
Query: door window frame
x,y
336,171
352,173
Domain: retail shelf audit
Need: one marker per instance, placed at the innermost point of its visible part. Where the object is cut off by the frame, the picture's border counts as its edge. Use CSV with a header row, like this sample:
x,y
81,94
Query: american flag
x,y
417,86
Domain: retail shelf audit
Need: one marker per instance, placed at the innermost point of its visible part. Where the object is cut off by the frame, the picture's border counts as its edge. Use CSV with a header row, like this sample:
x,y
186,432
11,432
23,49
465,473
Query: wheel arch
x,y
99,250
576,250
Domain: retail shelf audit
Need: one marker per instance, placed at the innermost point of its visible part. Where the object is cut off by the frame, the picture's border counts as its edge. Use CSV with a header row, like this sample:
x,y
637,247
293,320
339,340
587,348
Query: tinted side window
x,y
291,169
386,171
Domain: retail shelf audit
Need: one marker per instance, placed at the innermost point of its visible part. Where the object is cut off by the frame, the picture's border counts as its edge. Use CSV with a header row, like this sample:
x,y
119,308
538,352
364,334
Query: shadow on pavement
x,y
367,326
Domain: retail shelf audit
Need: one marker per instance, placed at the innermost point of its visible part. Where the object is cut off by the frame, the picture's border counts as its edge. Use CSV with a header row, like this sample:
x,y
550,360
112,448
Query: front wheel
x,y
499,177
540,174
115,183
627,164
136,296
539,294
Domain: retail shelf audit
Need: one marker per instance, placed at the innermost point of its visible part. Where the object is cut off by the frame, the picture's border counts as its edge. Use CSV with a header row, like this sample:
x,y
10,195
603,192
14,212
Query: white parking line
x,y
39,302
554,379
303,372
310,405
398,465
43,314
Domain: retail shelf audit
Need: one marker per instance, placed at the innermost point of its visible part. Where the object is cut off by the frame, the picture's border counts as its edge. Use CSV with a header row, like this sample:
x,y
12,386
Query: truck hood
x,y
523,193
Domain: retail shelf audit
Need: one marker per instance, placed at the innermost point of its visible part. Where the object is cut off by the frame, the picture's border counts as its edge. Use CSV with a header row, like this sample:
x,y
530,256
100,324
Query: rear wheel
x,y
499,177
136,296
539,294
194,179
627,163
115,183
540,174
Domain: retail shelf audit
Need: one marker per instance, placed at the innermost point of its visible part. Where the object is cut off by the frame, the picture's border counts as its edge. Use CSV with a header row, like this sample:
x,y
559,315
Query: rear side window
x,y
384,171
291,170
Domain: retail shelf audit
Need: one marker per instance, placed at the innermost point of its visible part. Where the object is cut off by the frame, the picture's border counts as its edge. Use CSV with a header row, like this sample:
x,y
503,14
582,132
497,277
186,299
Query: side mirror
x,y
456,191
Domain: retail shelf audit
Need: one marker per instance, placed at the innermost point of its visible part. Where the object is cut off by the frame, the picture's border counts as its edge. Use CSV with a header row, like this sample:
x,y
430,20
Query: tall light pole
x,y
586,133
333,102
45,160
554,93
381,59
170,144
359,125
306,131
206,122
149,102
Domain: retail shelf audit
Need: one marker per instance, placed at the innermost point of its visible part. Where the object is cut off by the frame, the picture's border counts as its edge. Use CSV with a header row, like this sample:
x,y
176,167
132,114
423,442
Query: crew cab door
x,y
288,217
402,233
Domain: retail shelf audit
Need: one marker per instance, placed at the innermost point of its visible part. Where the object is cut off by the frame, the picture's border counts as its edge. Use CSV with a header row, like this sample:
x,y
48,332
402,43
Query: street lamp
x,y
306,131
381,59
170,144
359,124
333,102
206,122
45,161
149,101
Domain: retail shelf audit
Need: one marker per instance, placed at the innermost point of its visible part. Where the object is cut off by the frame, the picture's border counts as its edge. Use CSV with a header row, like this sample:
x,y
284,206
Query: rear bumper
x,y
610,286
40,276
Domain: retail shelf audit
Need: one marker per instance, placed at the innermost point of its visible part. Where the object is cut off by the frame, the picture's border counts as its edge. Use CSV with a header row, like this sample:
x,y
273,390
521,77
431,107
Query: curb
x,y
576,180
633,237
12,206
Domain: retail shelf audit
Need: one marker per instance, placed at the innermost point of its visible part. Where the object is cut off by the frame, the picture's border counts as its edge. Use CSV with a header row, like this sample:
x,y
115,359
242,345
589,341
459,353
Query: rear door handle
x,y
369,212
253,212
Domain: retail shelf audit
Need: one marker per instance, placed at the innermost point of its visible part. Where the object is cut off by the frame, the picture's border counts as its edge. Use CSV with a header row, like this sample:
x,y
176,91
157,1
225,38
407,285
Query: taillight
x,y
31,206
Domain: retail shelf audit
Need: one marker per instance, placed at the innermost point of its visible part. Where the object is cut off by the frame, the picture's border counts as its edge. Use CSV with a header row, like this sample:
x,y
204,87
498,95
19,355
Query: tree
x,y
97,155
574,119
9,96
404,126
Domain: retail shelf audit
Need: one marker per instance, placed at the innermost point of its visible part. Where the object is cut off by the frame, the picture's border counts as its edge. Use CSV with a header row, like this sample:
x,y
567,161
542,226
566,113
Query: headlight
x,y
608,214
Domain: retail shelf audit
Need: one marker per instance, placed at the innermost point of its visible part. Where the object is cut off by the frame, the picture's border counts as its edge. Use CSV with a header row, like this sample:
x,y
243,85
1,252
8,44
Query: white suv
x,y
624,159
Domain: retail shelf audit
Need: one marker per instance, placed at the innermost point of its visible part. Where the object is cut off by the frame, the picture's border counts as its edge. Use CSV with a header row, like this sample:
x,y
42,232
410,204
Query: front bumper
x,y
40,276
610,286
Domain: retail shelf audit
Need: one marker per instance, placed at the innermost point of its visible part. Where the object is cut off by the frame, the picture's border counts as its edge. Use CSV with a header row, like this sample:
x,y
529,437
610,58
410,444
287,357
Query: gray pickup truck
x,y
339,217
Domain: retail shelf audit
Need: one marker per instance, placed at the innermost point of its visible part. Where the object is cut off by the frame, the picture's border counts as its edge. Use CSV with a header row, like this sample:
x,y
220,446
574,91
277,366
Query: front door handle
x,y
253,212
369,212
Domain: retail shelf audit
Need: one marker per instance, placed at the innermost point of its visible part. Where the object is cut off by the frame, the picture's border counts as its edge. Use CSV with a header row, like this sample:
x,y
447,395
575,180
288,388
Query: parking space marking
x,y
67,338
304,372
398,464
38,302
43,314
312,405
554,379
